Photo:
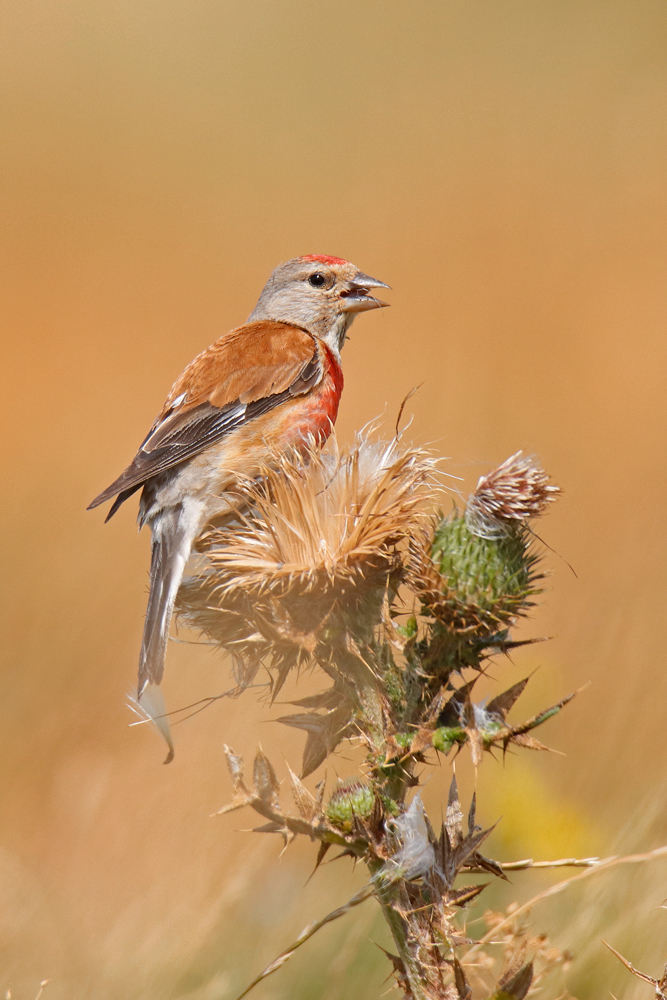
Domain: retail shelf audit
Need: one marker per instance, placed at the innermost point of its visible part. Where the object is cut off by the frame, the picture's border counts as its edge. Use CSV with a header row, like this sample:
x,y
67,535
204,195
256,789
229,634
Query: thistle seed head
x,y
318,521
319,536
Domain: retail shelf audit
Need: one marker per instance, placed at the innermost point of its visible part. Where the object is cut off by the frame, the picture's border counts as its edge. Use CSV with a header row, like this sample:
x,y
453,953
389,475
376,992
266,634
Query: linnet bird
x,y
264,387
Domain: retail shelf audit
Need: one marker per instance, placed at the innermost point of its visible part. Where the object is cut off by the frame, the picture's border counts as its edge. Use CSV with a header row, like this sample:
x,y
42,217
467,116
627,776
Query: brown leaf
x,y
488,865
325,731
530,743
399,968
242,797
288,837
501,704
267,787
375,822
282,671
514,985
315,753
469,846
326,699
471,813
304,801
465,894
458,710
236,804
454,816
542,717
463,987
347,853
324,847
271,827
430,716
235,765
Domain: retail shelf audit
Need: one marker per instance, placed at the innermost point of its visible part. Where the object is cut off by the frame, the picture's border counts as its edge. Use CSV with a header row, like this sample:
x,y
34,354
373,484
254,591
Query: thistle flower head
x,y
514,492
319,537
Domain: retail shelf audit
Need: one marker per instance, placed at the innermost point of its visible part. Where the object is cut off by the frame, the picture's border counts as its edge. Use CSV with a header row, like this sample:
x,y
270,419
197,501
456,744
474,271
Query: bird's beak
x,y
356,295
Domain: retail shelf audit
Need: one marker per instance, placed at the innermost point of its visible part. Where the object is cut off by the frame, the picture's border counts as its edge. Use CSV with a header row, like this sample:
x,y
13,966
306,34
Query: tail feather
x,y
150,708
173,534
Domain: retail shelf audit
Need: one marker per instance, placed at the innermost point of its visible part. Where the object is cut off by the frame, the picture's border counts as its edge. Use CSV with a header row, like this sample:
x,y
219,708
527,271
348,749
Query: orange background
x,y
502,166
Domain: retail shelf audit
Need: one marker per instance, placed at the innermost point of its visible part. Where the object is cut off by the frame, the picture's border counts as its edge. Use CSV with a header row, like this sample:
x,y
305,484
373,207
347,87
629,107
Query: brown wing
x,y
246,373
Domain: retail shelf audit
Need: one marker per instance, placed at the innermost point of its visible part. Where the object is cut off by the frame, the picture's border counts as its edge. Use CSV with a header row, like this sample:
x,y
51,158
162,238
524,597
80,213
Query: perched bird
x,y
261,388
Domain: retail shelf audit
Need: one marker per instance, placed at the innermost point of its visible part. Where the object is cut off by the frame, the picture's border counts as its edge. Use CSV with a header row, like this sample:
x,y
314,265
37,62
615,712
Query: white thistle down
x,y
415,856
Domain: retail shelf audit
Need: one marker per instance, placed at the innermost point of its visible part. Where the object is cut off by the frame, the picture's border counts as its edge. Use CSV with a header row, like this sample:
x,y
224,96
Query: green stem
x,y
399,928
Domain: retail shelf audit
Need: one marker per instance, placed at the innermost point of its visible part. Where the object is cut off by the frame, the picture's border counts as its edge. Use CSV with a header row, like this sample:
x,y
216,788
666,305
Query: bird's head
x,y
320,294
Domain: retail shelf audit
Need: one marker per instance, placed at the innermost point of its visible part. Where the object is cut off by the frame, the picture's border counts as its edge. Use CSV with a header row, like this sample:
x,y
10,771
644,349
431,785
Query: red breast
x,y
315,414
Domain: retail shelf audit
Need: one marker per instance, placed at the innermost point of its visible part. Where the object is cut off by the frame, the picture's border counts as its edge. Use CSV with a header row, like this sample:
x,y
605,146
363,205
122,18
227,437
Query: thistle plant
x,y
340,564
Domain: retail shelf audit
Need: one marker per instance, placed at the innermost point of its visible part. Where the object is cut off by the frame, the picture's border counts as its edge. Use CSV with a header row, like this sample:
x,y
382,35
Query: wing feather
x,y
247,372
248,363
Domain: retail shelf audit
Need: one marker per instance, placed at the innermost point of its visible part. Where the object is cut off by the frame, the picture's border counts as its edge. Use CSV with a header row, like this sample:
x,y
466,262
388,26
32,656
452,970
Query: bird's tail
x,y
150,708
173,534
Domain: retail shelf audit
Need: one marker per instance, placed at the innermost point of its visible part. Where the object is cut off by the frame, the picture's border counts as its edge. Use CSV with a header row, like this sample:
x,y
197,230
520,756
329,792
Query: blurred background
x,y
503,167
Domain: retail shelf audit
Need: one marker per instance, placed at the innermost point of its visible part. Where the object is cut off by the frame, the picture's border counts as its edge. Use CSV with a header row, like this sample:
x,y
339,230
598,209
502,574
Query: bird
x,y
265,387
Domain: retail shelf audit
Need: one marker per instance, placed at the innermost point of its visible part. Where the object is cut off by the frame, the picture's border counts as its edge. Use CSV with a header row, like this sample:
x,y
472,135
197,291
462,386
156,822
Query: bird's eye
x,y
317,280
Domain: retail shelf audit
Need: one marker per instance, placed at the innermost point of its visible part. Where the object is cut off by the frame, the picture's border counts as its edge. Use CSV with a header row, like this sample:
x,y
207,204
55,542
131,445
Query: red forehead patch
x,y
321,259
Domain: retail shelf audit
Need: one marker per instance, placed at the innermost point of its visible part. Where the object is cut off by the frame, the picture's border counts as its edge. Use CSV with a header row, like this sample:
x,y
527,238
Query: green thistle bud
x,y
489,580
351,798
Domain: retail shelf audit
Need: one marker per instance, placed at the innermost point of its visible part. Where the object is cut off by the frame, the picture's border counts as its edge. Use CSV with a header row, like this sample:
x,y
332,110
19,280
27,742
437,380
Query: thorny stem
x,y
369,890
394,781
345,652
419,974
399,927
368,695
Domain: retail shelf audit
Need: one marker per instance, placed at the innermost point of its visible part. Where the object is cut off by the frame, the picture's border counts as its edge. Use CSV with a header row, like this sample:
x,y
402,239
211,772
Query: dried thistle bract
x,y
515,491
